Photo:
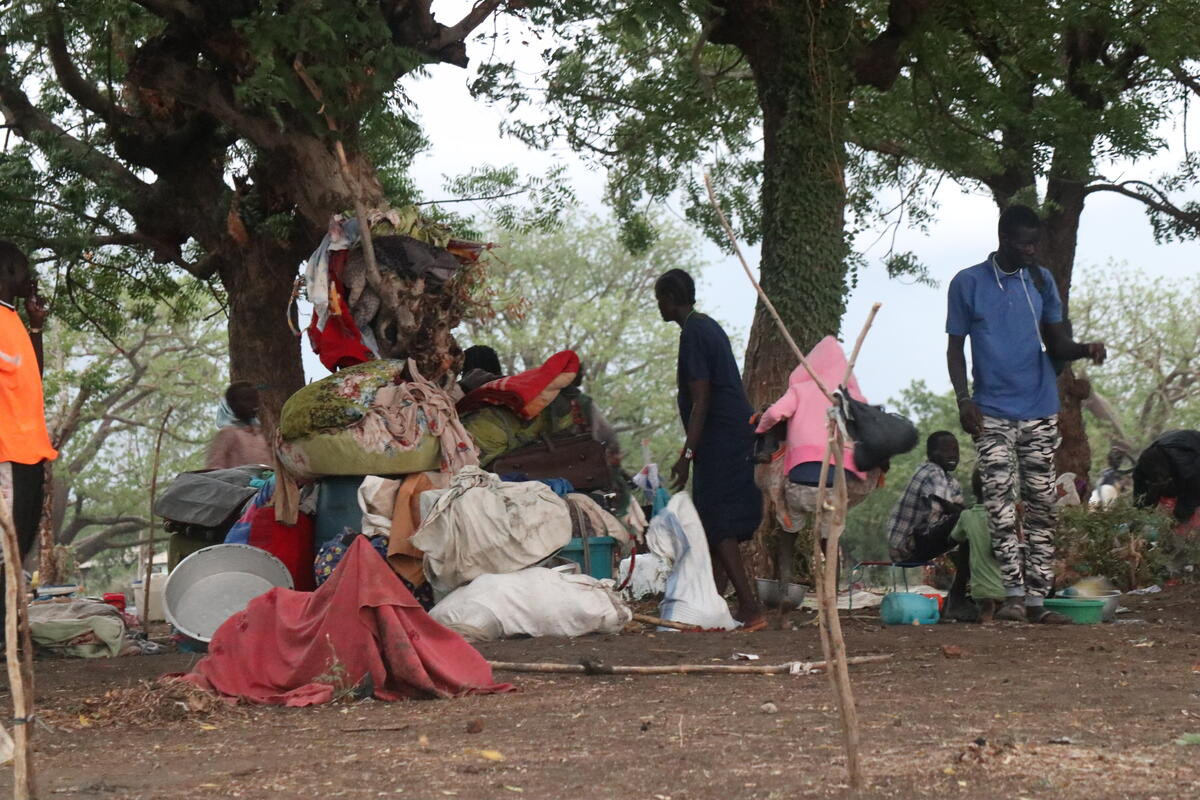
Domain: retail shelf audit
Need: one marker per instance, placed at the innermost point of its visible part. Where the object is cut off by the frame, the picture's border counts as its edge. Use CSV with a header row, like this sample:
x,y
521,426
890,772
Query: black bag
x,y
766,444
878,435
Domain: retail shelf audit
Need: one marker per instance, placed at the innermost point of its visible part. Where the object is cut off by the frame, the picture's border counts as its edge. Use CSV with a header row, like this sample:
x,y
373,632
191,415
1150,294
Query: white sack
x,y
677,536
482,525
650,575
532,602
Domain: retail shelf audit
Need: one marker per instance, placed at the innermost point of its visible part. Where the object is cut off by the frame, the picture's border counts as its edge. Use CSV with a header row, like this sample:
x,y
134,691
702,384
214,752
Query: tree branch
x,y
449,44
28,121
172,10
878,63
69,76
97,542
1152,197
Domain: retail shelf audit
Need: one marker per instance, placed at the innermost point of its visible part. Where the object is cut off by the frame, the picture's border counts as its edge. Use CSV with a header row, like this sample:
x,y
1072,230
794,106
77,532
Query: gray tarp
x,y
207,499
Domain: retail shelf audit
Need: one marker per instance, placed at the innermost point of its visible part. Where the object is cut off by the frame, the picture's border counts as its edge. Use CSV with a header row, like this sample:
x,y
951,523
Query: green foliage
x,y
1152,328
105,401
1007,96
1130,546
635,90
514,203
281,33
578,288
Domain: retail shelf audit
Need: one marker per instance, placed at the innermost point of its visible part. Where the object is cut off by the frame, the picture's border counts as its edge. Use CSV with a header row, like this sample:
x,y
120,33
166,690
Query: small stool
x,y
857,570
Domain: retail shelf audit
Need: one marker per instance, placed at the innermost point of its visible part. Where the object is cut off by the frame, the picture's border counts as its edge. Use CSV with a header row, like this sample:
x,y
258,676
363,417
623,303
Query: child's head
x,y
977,485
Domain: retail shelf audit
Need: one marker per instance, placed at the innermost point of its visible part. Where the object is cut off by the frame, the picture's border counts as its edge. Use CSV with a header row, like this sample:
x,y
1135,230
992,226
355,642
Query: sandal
x,y
757,624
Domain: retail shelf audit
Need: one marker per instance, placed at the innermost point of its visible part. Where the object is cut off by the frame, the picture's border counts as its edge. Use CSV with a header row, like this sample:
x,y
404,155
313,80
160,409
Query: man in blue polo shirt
x,y
1010,308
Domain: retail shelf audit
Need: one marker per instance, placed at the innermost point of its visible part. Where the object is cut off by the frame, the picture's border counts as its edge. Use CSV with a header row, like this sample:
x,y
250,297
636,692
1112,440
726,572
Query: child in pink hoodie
x,y
805,409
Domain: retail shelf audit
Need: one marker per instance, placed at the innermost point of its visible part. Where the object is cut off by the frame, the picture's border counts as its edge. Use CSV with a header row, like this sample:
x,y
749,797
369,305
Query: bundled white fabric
x,y
377,501
532,602
677,536
650,575
483,525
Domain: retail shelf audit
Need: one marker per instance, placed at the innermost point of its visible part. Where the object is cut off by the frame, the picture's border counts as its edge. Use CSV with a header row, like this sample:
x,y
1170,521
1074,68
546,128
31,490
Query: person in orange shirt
x,y
24,441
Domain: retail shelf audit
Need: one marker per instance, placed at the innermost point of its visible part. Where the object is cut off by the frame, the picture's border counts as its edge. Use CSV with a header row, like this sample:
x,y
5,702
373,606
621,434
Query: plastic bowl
x,y
1111,598
1085,611
212,584
768,593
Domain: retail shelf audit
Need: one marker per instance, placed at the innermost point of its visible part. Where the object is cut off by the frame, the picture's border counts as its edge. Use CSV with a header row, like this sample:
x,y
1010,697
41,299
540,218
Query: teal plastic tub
x,y
908,608
1085,611
600,552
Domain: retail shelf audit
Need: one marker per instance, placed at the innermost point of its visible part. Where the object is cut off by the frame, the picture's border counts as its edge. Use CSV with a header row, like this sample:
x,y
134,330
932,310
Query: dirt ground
x,y
1025,712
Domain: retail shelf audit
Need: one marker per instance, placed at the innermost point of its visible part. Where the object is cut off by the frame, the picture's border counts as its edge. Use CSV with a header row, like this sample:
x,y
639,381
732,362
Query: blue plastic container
x,y
600,550
906,608
337,508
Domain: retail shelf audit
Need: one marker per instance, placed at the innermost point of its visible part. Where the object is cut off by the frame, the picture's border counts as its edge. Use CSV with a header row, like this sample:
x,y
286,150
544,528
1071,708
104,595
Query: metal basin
x,y
768,593
211,585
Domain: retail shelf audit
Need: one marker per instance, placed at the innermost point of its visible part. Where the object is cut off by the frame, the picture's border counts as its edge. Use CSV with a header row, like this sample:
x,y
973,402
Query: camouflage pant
x,y
1008,449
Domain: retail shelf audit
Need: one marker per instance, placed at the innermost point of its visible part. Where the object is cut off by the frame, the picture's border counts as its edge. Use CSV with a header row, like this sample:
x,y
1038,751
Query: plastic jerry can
x,y
907,608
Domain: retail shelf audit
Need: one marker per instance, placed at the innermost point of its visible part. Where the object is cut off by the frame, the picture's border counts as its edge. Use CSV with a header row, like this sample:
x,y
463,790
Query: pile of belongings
x,y
360,634
85,628
538,425
410,313
507,414
472,541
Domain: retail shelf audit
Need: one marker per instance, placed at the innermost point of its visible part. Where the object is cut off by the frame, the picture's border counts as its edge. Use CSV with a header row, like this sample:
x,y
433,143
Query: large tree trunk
x,y
803,86
262,347
1065,199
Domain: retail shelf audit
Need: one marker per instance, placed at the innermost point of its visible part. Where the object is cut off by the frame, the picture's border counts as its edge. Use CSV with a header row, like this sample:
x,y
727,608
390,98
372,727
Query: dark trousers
x,y
932,543
28,491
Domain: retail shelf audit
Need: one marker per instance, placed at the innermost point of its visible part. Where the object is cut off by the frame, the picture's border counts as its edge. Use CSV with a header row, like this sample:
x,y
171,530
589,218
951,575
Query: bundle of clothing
x,y
83,628
410,313
378,418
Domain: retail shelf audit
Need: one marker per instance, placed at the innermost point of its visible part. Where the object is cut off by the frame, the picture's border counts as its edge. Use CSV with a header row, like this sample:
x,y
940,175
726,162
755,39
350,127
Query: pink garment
x,y
804,407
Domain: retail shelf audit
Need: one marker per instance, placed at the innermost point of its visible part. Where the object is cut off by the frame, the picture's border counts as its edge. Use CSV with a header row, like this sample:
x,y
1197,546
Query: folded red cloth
x,y
361,628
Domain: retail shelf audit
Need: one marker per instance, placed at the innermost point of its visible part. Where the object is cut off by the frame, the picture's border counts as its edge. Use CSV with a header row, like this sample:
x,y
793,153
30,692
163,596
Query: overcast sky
x,y
907,341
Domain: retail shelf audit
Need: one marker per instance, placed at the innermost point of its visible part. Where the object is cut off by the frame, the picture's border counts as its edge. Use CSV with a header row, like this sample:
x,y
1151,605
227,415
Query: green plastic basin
x,y
1084,611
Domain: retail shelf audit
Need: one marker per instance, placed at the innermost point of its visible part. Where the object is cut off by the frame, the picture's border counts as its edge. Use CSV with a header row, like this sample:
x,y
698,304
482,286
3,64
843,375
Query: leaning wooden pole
x,y
840,676
20,677
148,570
824,566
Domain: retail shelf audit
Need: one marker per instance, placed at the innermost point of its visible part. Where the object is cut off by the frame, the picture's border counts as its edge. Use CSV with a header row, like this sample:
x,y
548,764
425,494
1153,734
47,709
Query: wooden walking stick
x,y
17,657
149,567
824,568
597,668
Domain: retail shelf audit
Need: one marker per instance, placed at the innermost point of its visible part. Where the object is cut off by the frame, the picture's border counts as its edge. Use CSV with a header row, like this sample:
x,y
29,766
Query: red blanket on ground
x,y
300,648
526,393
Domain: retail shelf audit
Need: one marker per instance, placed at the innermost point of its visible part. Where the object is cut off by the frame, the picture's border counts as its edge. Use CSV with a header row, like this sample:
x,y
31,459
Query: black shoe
x,y
1012,610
